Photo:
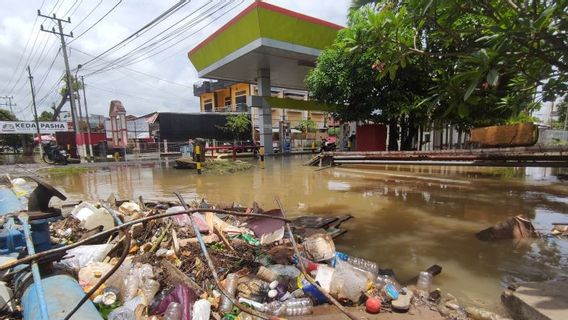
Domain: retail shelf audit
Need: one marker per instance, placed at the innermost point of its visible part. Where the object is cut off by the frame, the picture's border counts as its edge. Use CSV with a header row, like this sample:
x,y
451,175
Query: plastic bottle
x,y
348,283
292,307
230,288
201,310
298,307
424,281
121,313
173,312
131,283
150,287
359,263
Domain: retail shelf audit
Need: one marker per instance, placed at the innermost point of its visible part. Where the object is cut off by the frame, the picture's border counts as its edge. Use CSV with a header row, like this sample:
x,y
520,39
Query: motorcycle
x,y
54,154
328,146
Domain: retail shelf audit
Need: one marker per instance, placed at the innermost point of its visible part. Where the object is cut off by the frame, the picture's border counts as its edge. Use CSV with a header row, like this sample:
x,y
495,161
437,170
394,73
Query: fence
x,y
550,137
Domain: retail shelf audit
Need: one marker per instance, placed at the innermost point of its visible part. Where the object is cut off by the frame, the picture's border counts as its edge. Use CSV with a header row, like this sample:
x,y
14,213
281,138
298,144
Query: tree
x,y
467,63
306,125
46,116
14,141
349,77
499,51
237,124
562,121
63,92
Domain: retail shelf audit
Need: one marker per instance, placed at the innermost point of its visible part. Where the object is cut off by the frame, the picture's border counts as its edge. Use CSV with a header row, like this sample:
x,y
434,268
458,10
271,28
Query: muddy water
x,y
405,217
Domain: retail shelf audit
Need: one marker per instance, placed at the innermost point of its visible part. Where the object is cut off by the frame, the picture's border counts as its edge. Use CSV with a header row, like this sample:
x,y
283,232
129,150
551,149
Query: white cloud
x,y
140,94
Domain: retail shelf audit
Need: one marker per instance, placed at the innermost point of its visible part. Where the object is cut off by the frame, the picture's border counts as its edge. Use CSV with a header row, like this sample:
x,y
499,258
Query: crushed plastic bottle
x,y
231,288
150,288
201,310
173,312
121,313
130,287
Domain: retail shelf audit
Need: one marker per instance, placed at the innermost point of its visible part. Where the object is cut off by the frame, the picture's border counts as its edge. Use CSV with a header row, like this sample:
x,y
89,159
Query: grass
x,y
66,170
226,166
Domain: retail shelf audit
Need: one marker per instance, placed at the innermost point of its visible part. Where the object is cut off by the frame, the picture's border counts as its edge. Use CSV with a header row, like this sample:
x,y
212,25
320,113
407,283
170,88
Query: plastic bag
x,y
348,282
181,294
82,256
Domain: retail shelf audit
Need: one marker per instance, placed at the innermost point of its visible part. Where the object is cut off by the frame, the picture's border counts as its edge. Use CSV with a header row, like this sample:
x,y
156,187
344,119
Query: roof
x,y
116,108
264,36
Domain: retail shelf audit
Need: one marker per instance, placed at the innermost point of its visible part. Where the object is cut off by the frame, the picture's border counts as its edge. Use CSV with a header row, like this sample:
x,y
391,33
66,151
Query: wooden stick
x,y
212,267
303,268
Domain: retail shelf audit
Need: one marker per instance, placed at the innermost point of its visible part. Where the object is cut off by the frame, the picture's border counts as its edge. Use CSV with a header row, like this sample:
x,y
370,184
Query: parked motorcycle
x,y
327,146
54,154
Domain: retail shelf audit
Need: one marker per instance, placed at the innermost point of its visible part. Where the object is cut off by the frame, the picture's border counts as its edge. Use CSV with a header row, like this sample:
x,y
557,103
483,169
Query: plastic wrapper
x,y
82,256
181,294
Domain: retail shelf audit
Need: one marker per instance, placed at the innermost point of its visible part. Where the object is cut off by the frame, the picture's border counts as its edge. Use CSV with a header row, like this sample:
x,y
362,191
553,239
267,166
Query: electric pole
x,y
35,111
9,103
70,91
87,115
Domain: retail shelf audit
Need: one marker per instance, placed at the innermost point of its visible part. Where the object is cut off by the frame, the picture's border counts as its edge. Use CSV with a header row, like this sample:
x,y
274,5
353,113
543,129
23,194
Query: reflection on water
x,y
406,217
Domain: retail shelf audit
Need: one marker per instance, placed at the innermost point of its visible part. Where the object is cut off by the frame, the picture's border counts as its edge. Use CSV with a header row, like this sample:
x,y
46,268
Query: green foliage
x,y
306,125
77,85
13,141
45,116
226,167
237,124
522,118
470,63
562,109
6,115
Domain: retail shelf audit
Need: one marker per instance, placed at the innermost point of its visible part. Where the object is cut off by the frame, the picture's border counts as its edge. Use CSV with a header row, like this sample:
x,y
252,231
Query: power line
x,y
192,34
88,15
71,8
48,70
142,30
32,48
144,45
140,72
109,66
25,49
89,28
122,93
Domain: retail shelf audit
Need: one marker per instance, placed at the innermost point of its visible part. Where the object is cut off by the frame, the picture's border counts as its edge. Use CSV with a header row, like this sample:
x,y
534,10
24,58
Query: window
x,y
241,97
227,101
208,105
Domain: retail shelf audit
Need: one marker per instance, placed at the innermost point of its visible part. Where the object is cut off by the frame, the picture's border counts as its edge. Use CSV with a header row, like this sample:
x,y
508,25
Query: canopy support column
x,y
265,116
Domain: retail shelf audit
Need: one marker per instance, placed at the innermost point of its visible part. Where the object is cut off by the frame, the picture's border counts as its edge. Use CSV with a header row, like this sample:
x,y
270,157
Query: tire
x,y
46,159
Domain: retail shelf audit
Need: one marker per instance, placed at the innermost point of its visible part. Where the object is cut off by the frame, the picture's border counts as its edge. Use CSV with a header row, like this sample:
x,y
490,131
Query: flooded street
x,y
405,217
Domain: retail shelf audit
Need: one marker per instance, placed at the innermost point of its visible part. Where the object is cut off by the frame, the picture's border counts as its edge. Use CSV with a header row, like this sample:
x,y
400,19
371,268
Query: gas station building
x,y
258,62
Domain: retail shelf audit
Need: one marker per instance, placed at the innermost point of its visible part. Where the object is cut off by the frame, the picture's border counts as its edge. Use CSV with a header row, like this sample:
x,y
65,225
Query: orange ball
x,y
373,305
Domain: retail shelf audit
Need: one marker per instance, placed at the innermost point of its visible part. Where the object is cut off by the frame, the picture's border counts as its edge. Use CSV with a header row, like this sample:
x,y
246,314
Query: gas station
x,y
268,46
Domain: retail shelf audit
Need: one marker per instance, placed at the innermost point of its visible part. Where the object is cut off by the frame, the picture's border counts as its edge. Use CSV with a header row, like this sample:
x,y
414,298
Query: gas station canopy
x,y
268,37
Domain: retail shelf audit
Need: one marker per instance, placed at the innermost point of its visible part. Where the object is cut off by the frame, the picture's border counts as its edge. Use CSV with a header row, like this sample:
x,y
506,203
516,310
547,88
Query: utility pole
x,y
87,117
566,118
70,91
35,111
9,103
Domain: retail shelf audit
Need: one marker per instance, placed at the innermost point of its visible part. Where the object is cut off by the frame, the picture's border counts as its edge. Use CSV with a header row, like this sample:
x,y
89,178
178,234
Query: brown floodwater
x,y
405,217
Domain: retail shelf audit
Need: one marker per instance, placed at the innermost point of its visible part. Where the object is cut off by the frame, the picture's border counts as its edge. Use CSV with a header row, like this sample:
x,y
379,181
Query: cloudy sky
x,y
153,77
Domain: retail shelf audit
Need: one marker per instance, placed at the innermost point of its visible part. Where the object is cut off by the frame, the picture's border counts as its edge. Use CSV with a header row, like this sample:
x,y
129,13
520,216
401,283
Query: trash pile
x,y
170,260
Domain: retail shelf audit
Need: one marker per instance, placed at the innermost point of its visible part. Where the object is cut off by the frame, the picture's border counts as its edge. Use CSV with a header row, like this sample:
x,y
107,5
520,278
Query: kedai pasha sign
x,y
18,127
